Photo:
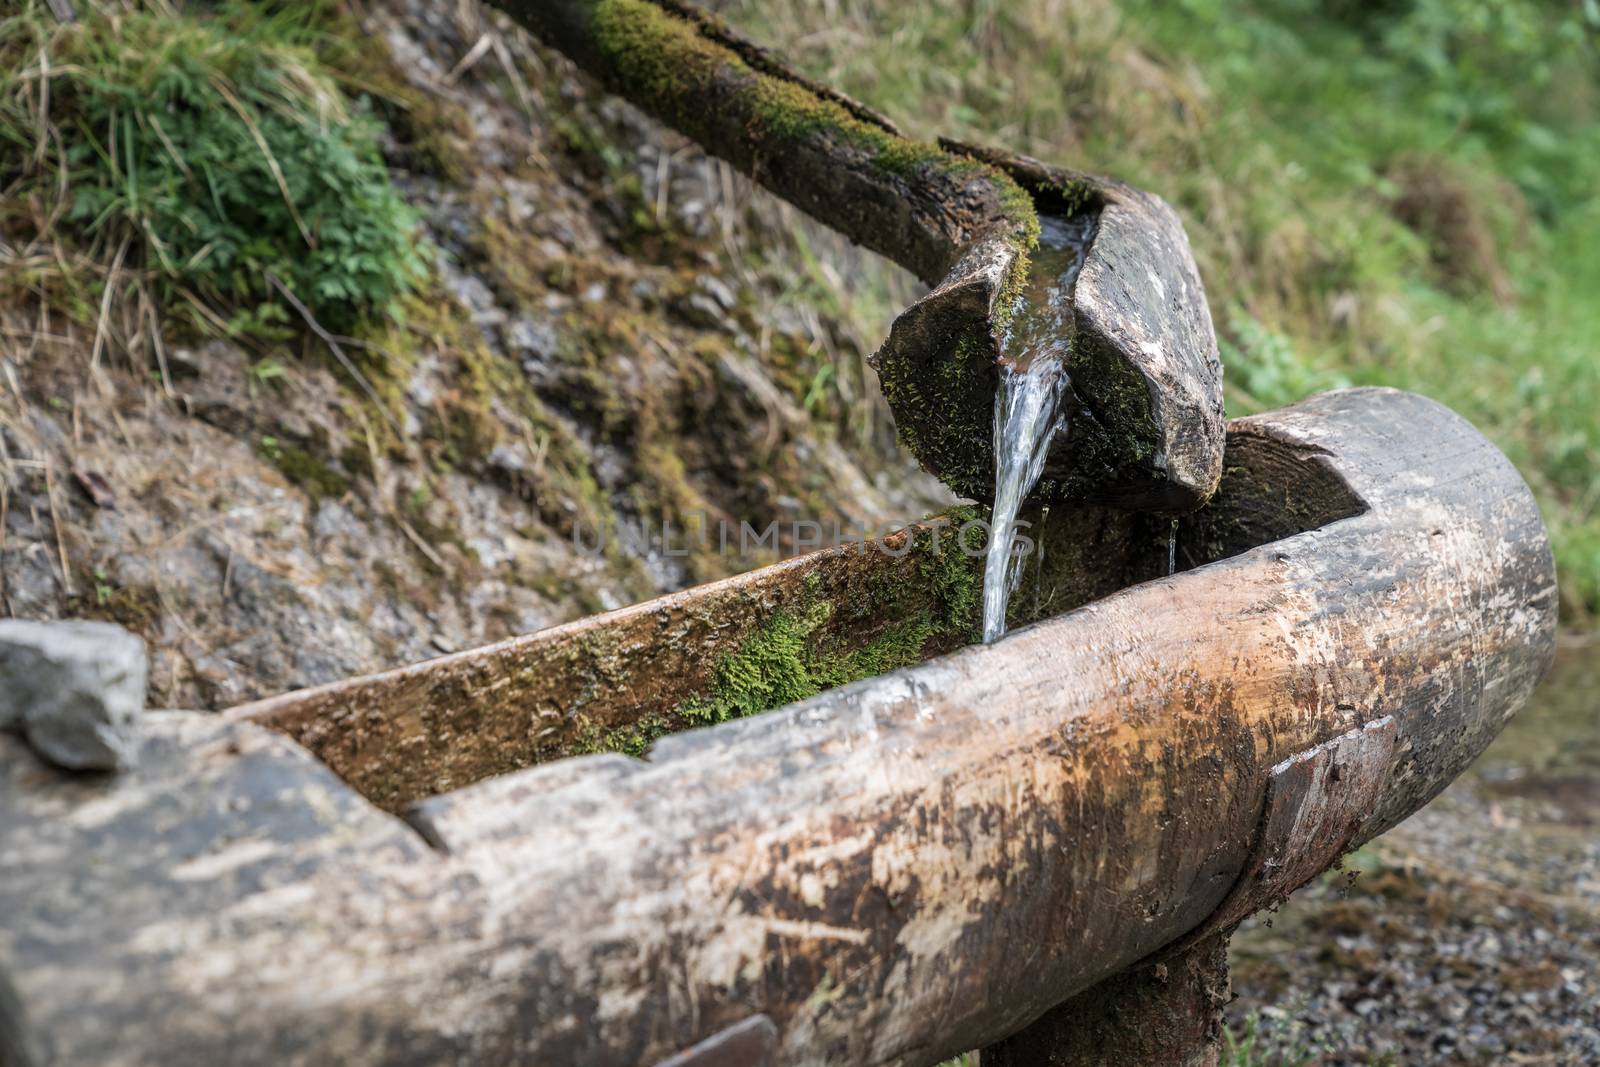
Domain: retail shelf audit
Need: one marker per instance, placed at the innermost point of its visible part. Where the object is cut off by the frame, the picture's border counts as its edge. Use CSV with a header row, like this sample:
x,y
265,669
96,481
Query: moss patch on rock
x,y
306,471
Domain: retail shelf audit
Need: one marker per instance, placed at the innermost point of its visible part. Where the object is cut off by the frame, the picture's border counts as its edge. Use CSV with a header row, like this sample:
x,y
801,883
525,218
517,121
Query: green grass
x,y
204,150
1258,1044
1401,193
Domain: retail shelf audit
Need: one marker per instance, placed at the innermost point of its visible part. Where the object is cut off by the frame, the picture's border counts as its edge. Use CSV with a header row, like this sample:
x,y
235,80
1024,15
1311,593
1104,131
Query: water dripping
x,y
1028,404
1026,419
1038,565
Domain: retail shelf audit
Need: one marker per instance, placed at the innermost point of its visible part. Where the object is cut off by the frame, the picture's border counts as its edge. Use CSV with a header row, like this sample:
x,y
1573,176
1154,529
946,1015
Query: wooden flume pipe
x,y
1147,432
889,873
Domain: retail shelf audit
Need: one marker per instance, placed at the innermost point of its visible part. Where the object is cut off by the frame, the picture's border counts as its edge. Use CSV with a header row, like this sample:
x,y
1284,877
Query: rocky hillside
x,y
610,335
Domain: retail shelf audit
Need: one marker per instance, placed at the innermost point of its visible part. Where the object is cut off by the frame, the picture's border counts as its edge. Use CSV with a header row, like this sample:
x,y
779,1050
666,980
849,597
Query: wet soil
x,y
1470,934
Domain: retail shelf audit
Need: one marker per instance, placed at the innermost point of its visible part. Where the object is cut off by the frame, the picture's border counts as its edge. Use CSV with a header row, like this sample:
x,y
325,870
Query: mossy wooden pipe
x,y
886,873
1147,426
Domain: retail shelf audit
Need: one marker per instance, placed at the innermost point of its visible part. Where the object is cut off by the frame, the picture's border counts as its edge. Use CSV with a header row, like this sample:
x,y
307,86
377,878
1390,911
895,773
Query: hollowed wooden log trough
x,y
891,872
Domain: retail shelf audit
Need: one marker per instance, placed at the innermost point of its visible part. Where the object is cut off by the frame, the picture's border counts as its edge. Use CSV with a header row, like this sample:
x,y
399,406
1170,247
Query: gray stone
x,y
74,690
719,291
528,336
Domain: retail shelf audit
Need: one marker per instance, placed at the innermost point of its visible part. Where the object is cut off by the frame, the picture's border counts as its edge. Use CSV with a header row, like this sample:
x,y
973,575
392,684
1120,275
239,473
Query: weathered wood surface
x,y
964,220
407,734
837,160
1168,1010
751,1043
403,735
1147,423
891,873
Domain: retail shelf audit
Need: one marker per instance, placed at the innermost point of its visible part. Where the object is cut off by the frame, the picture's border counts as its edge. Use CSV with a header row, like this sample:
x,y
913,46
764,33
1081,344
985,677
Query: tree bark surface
x,y
1166,1014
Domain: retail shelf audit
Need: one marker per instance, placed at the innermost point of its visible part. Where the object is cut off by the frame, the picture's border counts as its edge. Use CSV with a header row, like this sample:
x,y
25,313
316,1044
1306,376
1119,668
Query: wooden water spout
x,y
1147,382
891,872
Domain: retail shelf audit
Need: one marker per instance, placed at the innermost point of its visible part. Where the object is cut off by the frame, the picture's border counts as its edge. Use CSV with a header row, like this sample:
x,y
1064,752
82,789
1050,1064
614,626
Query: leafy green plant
x,y
1265,368
207,150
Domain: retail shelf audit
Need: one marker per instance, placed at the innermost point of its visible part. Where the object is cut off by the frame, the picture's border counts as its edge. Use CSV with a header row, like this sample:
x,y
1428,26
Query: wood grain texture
x,y
1145,365
837,160
892,872
751,1043
400,736
1168,1010
403,735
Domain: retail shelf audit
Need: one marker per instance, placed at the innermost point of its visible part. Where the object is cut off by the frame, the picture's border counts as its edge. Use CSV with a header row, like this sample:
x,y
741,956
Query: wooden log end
x,y
1147,430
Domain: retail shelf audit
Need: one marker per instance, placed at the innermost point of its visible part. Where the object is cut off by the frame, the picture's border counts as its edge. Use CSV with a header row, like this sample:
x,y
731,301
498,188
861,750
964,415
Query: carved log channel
x,y
404,735
1145,370
887,873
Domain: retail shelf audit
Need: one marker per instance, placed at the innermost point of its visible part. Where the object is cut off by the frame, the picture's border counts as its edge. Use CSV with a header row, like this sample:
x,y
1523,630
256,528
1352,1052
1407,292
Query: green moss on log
x,y
810,646
941,411
668,63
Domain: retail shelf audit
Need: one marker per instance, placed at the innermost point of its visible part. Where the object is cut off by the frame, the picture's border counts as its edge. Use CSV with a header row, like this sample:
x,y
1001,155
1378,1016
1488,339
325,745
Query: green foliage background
x,y
1398,193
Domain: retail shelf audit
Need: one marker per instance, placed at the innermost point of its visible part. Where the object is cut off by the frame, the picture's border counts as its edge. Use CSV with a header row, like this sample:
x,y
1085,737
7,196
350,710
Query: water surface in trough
x,y
1029,404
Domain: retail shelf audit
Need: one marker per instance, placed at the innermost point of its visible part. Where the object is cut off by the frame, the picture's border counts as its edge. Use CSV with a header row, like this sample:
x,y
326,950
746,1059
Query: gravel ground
x,y
1469,934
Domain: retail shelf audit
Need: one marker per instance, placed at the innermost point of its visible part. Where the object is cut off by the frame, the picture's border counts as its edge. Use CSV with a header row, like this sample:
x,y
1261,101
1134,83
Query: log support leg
x,y
1167,1013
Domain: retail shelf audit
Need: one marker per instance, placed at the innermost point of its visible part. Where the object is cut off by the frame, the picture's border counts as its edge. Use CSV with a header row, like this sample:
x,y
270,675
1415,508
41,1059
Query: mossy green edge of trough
x,y
620,681
796,653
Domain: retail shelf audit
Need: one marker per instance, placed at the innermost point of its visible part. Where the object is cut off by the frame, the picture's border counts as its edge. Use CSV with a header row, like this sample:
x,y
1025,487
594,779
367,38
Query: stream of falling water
x,y
1028,404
